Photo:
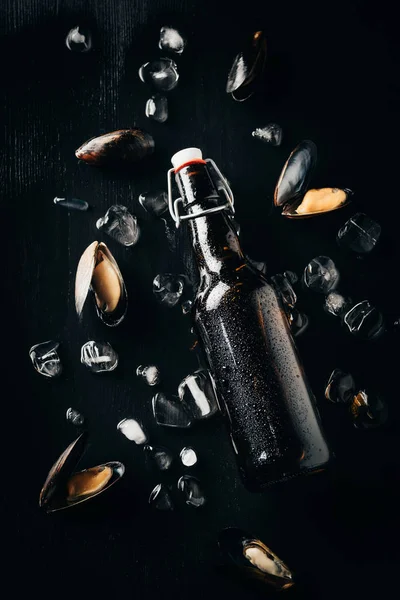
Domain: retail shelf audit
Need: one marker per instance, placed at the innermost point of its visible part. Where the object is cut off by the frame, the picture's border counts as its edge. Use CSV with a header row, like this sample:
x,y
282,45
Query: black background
x,y
333,77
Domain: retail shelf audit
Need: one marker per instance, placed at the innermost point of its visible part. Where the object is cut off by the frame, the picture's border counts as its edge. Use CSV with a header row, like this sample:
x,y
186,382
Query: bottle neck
x,y
215,241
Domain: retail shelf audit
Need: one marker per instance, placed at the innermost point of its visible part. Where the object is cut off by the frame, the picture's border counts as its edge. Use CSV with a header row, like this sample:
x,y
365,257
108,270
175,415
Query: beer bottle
x,y
260,383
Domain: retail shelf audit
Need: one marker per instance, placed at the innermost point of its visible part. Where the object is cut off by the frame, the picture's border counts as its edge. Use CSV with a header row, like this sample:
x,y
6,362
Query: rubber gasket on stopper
x,y
185,157
190,162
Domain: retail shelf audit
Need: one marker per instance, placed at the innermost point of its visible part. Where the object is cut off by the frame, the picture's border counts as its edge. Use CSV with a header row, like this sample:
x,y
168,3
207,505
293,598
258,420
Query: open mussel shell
x,y
254,559
64,488
61,471
296,173
98,271
292,193
121,146
316,202
248,68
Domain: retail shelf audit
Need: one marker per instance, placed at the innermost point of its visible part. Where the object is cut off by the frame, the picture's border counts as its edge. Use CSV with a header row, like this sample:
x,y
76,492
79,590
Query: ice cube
x,y
271,134
99,357
154,203
45,358
79,40
321,275
161,457
364,320
150,374
341,387
157,108
187,307
188,456
369,410
132,430
359,233
71,203
258,265
336,304
171,40
160,498
191,487
284,289
119,224
168,288
291,276
74,417
298,322
196,392
162,74
170,413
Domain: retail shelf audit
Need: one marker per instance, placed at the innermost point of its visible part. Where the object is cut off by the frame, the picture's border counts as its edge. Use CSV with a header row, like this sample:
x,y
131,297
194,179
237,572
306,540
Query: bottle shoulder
x,y
233,287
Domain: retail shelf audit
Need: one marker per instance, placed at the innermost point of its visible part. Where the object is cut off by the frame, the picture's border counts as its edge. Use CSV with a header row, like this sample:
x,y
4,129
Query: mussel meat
x,y
248,68
254,559
98,271
292,193
64,488
116,147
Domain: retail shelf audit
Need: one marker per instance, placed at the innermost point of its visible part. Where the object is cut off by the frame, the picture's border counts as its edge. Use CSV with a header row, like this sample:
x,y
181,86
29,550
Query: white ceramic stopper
x,y
184,156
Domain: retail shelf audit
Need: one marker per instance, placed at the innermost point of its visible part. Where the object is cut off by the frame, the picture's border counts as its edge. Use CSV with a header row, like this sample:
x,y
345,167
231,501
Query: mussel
x,y
64,488
292,193
116,147
253,559
98,271
248,68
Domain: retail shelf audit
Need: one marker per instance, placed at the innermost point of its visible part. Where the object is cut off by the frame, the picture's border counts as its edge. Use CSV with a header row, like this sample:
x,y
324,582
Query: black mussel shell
x,y
248,68
296,173
254,559
64,487
122,146
60,472
98,271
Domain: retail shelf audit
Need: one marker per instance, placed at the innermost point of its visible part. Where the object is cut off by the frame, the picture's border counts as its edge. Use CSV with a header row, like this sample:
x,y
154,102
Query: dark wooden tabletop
x,y
332,77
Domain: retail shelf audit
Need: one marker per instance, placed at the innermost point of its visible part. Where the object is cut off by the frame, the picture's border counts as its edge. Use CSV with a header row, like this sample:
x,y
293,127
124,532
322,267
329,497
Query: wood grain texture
x,y
331,79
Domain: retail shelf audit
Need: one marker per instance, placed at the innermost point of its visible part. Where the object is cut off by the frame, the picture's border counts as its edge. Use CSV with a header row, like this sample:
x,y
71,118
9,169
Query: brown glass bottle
x,y
260,384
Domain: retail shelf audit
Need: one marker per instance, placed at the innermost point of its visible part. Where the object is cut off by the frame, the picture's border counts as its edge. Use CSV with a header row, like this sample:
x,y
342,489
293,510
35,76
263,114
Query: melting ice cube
x,y
369,410
119,224
74,417
321,275
284,289
154,203
171,40
336,304
359,233
162,74
157,108
99,357
78,40
45,358
341,387
191,487
196,392
364,320
160,498
271,134
161,457
132,430
188,456
168,288
150,374
170,413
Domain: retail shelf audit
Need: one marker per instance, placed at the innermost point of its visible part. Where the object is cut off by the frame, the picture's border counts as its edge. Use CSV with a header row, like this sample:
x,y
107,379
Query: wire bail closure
x,y
222,186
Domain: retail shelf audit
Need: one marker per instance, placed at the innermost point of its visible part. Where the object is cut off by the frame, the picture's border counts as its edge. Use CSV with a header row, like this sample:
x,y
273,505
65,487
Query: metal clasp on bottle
x,y
222,186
